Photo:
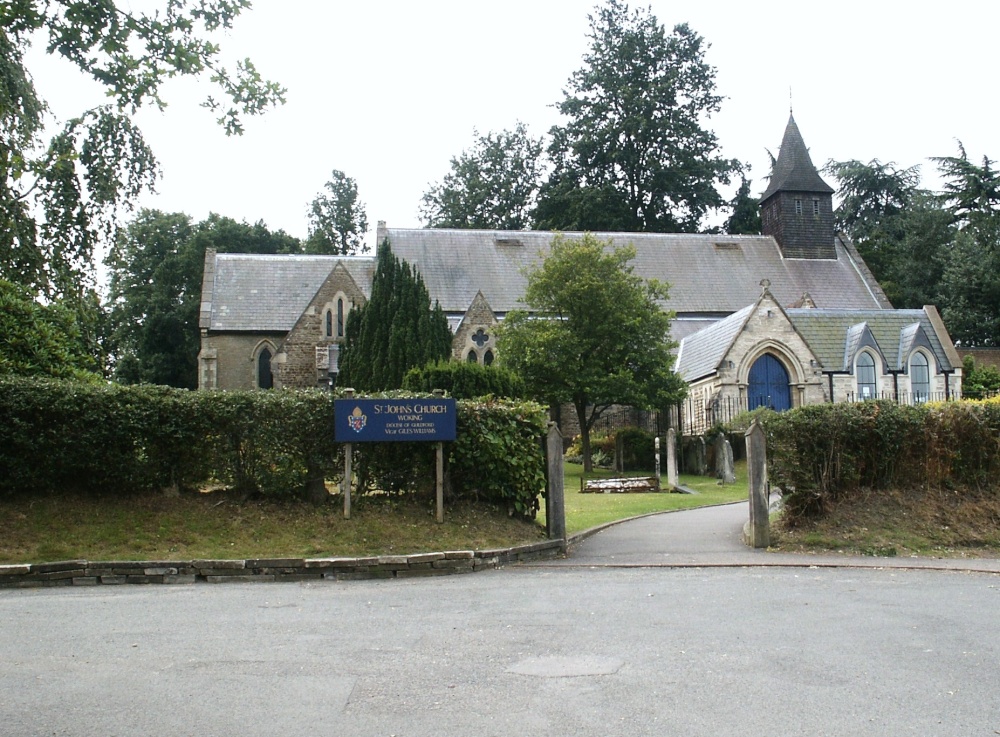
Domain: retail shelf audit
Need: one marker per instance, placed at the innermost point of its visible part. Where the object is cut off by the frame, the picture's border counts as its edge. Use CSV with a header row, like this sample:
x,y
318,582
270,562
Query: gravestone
x,y
724,468
671,459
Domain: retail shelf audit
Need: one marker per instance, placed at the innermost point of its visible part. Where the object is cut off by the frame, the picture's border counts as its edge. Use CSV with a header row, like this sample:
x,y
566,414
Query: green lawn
x,y
584,511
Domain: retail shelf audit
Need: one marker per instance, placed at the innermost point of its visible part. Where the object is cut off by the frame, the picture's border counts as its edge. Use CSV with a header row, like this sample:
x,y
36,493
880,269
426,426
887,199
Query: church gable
x,y
475,339
302,359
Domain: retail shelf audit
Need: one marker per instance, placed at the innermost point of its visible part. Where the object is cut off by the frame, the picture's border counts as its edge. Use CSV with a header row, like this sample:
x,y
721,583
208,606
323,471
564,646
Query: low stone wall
x,y
96,573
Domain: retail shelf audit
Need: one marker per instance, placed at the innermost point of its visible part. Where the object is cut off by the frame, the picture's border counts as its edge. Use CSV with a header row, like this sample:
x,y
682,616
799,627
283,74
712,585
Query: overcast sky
x,y
389,91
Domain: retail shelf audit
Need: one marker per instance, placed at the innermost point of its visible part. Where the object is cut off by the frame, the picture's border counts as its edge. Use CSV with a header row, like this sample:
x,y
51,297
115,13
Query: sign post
x,y
394,421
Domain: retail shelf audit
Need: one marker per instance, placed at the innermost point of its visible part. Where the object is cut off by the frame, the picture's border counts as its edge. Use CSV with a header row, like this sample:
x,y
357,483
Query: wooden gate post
x,y
760,524
348,457
555,500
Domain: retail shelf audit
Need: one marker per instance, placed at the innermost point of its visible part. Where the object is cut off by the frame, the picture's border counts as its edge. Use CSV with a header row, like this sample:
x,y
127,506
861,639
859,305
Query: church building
x,y
789,317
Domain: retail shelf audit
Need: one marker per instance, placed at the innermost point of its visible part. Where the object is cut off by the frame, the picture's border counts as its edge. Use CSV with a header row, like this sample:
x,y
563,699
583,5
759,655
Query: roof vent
x,y
727,246
510,242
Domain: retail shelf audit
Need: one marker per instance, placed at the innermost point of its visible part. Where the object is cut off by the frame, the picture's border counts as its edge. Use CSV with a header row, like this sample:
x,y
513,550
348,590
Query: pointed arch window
x,y
920,377
340,317
329,324
488,358
265,379
471,356
865,373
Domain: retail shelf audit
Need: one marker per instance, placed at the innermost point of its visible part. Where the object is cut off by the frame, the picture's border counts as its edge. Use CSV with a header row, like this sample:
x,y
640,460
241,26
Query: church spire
x,y
797,206
794,170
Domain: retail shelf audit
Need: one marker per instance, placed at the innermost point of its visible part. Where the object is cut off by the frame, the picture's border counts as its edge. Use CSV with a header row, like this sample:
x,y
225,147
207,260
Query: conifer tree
x,y
396,330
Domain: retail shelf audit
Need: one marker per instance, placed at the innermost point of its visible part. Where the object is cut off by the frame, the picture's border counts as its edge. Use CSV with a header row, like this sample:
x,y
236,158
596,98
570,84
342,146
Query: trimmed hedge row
x,y
822,453
125,439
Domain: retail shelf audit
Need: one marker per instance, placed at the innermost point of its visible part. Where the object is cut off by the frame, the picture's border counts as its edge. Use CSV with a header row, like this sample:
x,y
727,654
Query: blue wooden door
x,y
768,386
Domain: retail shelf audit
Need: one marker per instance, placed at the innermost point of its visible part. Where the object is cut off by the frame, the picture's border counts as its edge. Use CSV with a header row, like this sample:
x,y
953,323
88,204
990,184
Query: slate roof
x,y
711,275
834,336
794,170
701,353
827,333
268,293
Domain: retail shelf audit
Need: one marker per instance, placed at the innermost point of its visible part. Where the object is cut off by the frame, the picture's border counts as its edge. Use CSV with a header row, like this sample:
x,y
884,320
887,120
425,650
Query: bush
x,y
60,435
498,454
823,453
638,449
465,380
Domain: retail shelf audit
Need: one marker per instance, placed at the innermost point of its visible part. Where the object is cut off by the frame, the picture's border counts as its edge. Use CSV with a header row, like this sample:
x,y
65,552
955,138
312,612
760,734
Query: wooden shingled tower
x,y
797,206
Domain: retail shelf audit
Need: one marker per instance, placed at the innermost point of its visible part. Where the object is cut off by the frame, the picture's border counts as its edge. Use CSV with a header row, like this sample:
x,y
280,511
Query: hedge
x,y
823,453
58,435
464,380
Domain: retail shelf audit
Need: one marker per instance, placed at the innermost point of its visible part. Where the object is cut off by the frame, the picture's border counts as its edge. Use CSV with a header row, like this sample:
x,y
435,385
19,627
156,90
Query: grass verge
x,y
68,526
217,525
936,523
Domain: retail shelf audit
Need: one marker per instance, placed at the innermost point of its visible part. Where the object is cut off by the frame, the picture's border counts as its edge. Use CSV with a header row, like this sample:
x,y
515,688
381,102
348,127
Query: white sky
x,y
389,91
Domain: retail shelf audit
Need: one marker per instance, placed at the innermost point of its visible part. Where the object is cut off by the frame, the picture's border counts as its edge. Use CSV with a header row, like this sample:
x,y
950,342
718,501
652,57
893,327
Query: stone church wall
x,y
229,361
296,365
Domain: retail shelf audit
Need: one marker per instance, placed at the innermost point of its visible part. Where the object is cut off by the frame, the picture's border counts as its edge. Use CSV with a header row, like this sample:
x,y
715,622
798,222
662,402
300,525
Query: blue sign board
x,y
394,420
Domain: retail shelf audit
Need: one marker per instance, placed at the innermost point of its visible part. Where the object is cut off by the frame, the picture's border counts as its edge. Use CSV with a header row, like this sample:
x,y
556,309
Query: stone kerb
x,y
98,573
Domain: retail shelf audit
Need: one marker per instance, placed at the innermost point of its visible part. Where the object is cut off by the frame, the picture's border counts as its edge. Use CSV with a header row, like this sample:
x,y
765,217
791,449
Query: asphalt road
x,y
535,651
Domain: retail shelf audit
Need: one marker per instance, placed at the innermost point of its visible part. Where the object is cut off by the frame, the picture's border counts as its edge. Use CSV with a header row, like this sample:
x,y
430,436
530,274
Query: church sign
x,y
394,420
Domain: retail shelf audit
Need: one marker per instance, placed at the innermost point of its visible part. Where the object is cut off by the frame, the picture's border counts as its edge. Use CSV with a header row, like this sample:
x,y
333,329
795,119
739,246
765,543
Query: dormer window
x,y
920,378
865,373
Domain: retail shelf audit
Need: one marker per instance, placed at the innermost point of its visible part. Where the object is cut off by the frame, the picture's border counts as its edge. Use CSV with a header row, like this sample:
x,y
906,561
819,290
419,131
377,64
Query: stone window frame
x,y
255,362
929,362
859,384
480,352
335,312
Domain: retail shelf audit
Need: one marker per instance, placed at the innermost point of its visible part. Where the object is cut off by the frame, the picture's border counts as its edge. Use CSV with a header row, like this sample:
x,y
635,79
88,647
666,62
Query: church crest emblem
x,y
357,420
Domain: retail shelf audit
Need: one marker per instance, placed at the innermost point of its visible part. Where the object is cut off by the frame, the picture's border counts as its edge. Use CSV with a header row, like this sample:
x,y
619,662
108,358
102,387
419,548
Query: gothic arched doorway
x,y
768,385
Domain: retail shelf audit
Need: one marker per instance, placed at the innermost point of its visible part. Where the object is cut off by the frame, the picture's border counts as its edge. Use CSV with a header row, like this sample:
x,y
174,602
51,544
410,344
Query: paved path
x,y
713,536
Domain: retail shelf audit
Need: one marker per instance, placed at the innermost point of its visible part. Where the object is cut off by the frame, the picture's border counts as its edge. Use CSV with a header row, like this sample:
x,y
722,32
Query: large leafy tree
x,y
396,330
337,219
635,141
41,340
59,197
595,335
156,268
901,230
491,185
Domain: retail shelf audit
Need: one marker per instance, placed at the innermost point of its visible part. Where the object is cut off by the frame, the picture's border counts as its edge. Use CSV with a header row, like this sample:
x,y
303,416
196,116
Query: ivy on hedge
x,y
124,439
821,453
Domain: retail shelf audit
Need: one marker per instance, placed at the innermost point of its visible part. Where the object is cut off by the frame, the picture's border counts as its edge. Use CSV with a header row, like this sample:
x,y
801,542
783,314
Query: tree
x,y
41,340
971,193
337,221
156,268
59,199
900,229
635,131
970,282
396,330
596,334
492,185
745,216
